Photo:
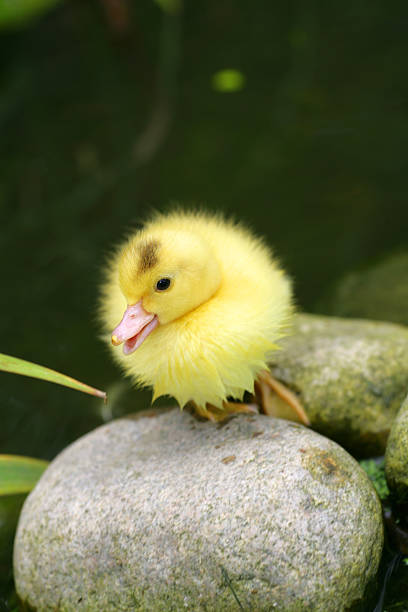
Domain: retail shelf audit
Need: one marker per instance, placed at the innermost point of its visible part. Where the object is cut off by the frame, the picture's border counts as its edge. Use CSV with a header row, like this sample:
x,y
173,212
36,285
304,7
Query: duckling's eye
x,y
163,284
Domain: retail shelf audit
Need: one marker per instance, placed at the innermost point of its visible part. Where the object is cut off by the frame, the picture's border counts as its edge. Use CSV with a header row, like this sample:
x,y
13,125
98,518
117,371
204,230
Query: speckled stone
x,y
351,376
396,456
164,513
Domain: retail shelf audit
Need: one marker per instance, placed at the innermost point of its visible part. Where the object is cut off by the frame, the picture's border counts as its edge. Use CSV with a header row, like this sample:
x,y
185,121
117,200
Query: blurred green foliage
x,y
18,475
18,12
170,6
10,508
375,471
228,80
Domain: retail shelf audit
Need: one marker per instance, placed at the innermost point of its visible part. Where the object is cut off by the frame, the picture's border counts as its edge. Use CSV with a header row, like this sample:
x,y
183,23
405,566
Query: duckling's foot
x,y
216,415
273,396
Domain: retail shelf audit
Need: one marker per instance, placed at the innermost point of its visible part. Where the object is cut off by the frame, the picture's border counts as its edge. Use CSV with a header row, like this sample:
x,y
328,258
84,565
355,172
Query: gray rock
x,y
169,513
377,292
351,376
396,456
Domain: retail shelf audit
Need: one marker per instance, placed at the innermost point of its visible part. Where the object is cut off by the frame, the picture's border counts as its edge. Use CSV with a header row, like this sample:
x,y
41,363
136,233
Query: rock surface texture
x,y
163,512
396,456
351,375
378,292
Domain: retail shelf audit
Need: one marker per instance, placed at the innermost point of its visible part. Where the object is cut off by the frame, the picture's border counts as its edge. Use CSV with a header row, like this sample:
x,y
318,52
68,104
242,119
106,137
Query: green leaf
x,y
15,12
26,368
19,474
228,80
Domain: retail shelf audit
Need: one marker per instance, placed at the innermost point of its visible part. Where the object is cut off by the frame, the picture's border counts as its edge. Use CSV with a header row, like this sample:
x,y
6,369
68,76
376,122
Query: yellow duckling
x,y
201,303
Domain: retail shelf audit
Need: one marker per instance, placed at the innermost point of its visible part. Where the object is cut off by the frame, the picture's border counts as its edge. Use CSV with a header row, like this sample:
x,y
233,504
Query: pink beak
x,y
134,327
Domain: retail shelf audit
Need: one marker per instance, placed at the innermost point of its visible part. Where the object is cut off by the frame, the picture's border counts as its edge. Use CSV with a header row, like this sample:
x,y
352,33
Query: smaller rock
x,y
378,292
351,376
396,456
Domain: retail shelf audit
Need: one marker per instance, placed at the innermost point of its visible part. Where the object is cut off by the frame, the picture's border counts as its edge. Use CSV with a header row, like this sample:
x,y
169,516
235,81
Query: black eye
x,y
163,284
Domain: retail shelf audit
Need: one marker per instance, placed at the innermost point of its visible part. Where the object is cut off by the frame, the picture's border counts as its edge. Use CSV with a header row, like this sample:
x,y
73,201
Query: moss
x,y
376,473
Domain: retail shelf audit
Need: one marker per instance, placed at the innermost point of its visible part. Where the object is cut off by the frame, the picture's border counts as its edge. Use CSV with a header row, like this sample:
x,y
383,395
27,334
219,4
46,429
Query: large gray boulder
x,y
351,376
164,512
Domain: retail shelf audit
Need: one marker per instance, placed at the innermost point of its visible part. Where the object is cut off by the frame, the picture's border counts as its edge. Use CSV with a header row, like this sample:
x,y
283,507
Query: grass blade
x,y
27,368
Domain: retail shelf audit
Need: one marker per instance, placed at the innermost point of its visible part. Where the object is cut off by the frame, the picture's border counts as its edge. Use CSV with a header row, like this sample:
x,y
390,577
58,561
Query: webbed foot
x,y
274,398
217,415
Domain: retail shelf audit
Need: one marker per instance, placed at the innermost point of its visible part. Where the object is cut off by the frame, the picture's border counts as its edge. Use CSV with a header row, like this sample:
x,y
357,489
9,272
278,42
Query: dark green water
x,y
96,129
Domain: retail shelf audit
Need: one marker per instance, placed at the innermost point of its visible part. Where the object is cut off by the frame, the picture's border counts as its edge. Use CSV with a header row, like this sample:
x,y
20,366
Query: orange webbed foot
x,y
270,392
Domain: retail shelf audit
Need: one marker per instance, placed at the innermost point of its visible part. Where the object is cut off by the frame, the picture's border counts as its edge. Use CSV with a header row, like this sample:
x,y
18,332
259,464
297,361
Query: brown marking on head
x,y
148,257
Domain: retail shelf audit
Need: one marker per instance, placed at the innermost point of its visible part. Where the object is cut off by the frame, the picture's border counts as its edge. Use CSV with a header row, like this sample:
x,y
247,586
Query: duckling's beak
x,y
134,327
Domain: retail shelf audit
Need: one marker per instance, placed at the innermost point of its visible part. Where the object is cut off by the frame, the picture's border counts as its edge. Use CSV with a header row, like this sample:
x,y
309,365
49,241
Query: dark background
x,y
108,110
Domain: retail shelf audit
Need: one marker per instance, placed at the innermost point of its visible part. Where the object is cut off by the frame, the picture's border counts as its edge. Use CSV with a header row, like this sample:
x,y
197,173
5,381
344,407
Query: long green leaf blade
x,y
19,474
27,368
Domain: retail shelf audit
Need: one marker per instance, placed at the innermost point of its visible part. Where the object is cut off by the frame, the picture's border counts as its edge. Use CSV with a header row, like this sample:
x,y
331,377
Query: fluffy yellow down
x,y
217,349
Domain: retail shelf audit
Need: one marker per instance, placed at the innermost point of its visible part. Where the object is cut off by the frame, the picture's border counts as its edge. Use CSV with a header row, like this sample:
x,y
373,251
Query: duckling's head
x,y
162,276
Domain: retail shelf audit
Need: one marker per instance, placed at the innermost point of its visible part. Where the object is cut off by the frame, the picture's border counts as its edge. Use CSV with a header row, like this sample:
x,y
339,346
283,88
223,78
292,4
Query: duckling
x,y
198,304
